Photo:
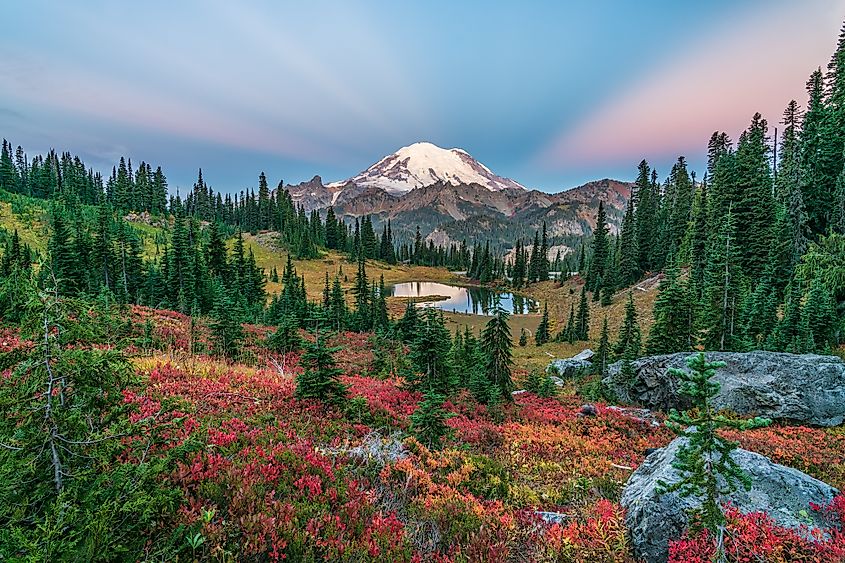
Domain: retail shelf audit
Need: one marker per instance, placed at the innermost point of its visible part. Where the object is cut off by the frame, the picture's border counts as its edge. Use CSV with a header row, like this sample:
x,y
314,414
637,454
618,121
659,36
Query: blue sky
x,y
551,94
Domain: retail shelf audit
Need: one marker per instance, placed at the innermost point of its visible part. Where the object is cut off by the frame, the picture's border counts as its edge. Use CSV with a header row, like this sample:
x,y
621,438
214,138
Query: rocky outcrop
x,y
570,367
807,389
654,519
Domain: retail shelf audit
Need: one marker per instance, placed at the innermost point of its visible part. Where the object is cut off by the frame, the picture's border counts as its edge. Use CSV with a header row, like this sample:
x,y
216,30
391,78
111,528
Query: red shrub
x,y
756,537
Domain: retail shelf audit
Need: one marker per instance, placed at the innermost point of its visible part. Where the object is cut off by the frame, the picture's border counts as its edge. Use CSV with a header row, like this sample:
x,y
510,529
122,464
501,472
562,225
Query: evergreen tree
x,y
82,274
543,266
361,291
103,251
216,252
721,165
753,210
788,184
337,306
63,258
320,379
760,314
786,336
9,179
534,262
606,296
428,421
697,238
708,471
541,335
600,252
286,338
581,259
672,328
821,149
679,196
332,238
326,302
629,340
264,208
534,382
16,256
378,302
130,263
473,369
645,218
159,192
819,316
368,238
837,220
629,253
58,426
582,319
408,324
723,291
430,355
180,268
496,342
226,331
518,271
568,333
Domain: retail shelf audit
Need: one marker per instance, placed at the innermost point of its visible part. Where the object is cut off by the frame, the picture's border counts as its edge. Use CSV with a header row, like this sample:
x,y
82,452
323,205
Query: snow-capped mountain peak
x,y
423,164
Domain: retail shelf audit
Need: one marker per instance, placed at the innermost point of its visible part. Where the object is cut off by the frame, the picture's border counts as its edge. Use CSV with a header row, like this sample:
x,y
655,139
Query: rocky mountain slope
x,y
451,196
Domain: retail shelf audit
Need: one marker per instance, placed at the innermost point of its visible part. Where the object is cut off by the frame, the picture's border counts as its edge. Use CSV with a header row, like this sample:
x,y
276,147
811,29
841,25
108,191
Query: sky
x,y
551,94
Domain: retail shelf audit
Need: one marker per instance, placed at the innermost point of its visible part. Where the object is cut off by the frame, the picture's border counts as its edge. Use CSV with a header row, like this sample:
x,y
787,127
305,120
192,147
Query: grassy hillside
x,y
268,255
28,216
560,298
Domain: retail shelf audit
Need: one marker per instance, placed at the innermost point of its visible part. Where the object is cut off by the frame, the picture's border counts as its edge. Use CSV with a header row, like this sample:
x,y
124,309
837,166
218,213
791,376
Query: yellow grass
x,y
559,300
31,230
147,234
199,366
268,255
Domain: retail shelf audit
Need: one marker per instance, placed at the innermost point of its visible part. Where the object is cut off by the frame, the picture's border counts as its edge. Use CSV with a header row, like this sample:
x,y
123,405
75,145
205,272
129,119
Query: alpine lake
x,y
461,299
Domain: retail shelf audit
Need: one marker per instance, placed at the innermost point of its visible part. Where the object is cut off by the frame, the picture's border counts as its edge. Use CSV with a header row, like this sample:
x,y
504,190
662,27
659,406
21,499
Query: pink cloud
x,y
716,82
117,102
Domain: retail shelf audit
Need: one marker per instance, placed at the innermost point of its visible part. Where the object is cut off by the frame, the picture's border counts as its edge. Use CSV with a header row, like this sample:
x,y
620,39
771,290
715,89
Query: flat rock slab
x,y
570,367
803,388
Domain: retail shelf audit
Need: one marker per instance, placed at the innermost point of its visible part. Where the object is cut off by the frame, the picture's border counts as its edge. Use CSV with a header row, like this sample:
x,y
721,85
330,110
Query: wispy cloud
x,y
329,86
86,93
717,80
259,81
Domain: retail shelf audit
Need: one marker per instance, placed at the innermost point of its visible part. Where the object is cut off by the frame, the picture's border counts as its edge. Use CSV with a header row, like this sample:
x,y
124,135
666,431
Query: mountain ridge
x,y
444,204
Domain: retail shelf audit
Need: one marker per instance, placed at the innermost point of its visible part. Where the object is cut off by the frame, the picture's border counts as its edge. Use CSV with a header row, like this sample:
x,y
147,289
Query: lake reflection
x,y
473,300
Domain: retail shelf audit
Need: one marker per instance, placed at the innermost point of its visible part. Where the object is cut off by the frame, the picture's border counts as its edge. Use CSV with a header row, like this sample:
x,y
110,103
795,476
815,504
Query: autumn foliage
x,y
258,475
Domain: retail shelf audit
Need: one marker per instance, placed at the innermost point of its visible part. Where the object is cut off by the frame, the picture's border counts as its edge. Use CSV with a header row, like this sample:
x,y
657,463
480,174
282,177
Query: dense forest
x,y
753,254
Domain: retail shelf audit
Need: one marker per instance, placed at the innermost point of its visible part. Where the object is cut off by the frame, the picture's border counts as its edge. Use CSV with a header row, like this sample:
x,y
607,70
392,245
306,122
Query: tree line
x,y
753,255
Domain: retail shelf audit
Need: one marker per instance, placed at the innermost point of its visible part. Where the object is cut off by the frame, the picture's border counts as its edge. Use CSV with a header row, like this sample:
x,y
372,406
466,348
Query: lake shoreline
x,y
456,298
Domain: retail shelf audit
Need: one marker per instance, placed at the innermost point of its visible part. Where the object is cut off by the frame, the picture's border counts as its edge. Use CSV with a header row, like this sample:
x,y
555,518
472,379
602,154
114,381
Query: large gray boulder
x,y
807,389
570,367
653,519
